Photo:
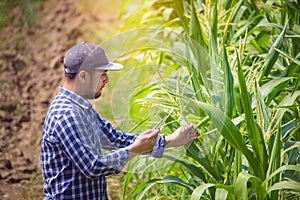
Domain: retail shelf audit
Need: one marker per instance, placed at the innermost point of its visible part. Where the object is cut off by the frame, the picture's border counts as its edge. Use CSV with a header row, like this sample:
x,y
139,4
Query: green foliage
x,y
236,74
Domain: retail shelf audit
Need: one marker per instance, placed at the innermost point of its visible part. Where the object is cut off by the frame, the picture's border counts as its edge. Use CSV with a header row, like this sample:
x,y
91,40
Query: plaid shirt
x,y
72,162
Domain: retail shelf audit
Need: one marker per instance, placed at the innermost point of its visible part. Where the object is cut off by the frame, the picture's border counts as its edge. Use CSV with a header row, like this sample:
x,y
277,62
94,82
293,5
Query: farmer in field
x,y
74,134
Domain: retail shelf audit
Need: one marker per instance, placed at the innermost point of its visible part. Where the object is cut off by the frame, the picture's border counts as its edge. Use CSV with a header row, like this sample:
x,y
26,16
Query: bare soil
x,y
30,72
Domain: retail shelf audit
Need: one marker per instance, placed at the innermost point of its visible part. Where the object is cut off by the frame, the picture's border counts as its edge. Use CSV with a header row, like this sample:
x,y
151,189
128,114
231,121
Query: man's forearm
x,y
168,141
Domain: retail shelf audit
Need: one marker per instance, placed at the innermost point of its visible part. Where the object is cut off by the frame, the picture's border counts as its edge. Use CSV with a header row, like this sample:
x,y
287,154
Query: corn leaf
x,y
127,179
213,51
142,189
270,89
145,188
236,15
199,191
292,133
295,60
280,170
194,152
221,194
288,185
241,188
275,160
197,65
237,165
255,138
289,99
193,169
293,4
262,113
273,55
179,9
231,133
294,146
177,181
228,85
196,31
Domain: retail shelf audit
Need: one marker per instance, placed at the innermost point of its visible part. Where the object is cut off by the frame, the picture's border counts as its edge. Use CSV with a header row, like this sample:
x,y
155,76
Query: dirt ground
x,y
30,73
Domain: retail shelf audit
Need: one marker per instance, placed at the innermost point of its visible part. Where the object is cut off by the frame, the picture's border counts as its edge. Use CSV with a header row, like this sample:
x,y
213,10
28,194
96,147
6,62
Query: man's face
x,y
90,83
98,80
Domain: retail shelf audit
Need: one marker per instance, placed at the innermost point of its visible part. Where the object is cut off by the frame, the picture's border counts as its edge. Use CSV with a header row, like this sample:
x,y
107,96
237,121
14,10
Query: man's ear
x,y
83,76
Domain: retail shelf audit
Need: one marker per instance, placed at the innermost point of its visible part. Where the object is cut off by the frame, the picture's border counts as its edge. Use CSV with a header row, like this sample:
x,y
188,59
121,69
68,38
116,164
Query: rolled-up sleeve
x,y
159,147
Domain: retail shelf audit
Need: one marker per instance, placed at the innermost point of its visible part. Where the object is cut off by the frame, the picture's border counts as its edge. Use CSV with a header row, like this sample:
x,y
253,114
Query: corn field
x,y
232,69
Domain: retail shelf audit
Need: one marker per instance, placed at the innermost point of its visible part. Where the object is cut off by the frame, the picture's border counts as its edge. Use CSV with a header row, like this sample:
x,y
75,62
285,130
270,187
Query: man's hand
x,y
144,142
182,136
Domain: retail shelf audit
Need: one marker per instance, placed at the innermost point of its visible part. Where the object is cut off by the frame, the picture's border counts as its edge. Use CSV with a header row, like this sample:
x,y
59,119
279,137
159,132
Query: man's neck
x,y
68,84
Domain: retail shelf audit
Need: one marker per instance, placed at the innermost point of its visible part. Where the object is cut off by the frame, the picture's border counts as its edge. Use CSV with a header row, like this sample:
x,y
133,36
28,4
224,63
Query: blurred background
x,y
34,36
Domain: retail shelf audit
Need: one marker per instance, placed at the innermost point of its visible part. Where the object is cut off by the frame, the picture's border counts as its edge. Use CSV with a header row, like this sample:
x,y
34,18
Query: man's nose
x,y
106,79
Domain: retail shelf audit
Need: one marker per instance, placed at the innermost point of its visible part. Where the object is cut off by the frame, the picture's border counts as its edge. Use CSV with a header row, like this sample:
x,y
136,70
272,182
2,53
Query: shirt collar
x,y
82,102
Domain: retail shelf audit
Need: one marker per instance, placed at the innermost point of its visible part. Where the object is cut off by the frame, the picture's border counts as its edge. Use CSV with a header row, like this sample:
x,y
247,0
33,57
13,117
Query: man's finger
x,y
149,133
155,132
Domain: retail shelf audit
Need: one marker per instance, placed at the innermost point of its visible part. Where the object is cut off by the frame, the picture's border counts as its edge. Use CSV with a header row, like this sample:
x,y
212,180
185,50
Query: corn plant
x,y
236,77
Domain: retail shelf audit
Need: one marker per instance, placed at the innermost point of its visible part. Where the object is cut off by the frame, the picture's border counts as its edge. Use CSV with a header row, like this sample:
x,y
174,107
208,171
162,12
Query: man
x,y
74,134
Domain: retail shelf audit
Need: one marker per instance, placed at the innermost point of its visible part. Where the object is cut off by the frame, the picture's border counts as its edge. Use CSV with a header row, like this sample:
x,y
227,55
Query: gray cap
x,y
88,56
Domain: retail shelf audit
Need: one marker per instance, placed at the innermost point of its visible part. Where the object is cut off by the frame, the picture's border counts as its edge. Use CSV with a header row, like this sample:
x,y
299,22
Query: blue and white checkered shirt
x,y
72,162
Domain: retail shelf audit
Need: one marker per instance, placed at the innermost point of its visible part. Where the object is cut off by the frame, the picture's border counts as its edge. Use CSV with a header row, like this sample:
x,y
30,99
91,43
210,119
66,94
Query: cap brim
x,y
110,67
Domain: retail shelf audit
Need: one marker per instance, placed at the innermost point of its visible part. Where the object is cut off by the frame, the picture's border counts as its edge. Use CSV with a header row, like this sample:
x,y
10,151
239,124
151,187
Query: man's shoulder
x,y
60,105
61,113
